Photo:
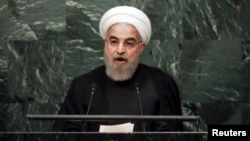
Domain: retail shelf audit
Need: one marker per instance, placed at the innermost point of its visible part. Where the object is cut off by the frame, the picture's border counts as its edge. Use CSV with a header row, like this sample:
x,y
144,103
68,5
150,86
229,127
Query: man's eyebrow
x,y
127,39
113,37
131,39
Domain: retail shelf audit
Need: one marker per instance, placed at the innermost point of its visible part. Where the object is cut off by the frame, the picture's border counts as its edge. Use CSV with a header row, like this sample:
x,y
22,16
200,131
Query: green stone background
x,y
203,44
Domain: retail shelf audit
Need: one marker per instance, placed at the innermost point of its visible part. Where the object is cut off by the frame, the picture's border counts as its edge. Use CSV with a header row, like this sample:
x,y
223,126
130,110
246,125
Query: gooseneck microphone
x,y
137,88
93,88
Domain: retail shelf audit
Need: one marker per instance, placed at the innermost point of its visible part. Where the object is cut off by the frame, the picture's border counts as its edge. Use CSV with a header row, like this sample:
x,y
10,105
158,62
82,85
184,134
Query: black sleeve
x,y
71,105
170,103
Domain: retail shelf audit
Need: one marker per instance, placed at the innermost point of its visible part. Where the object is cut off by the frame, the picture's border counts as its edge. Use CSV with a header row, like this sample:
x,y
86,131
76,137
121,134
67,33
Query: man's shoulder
x,y
158,75
151,68
90,75
155,71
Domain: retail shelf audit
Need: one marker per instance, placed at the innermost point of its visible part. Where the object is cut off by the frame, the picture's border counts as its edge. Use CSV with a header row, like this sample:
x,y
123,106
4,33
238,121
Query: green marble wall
x,y
203,44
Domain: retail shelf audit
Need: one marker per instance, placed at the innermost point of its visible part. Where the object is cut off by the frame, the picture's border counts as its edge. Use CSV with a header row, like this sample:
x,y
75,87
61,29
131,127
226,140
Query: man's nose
x,y
121,48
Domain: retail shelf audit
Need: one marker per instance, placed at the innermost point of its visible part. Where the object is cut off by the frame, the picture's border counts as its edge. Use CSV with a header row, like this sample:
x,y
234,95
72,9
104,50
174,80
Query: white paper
x,y
125,127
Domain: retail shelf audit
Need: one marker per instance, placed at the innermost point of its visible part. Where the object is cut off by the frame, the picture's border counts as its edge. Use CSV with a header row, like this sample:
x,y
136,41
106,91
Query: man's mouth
x,y
120,60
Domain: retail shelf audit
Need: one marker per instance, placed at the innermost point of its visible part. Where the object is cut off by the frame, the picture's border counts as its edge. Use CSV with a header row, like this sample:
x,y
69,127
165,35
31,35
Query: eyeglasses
x,y
129,43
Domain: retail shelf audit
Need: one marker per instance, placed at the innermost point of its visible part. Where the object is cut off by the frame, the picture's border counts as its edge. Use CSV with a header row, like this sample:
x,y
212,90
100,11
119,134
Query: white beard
x,y
120,73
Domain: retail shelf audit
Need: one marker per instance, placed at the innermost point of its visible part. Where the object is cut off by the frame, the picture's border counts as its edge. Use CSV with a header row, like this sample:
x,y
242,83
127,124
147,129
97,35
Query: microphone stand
x,y
140,104
90,101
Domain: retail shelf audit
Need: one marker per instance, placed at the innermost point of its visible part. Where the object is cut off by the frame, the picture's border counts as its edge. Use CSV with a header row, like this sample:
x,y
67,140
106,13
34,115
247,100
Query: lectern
x,y
96,136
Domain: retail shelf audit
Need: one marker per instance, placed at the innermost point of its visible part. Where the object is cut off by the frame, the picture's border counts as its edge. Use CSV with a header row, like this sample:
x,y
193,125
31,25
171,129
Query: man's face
x,y
123,48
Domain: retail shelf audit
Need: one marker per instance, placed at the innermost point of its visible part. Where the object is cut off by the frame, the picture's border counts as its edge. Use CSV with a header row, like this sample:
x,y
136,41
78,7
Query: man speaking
x,y
123,85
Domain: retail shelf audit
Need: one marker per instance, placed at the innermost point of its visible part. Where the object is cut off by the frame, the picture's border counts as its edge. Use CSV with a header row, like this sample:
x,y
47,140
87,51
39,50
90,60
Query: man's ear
x,y
143,45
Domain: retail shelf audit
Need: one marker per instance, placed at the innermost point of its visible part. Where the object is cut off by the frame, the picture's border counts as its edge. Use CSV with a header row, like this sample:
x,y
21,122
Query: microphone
x,y
137,88
93,87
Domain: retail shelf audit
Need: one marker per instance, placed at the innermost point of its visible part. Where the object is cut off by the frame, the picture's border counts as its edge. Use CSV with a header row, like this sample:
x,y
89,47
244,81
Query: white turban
x,y
126,14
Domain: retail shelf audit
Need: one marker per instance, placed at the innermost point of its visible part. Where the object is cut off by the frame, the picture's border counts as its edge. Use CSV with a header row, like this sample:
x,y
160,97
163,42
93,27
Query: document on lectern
x,y
125,127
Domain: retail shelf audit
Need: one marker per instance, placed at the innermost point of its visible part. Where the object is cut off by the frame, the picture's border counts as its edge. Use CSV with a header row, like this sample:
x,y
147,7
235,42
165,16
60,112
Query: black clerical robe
x,y
158,95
